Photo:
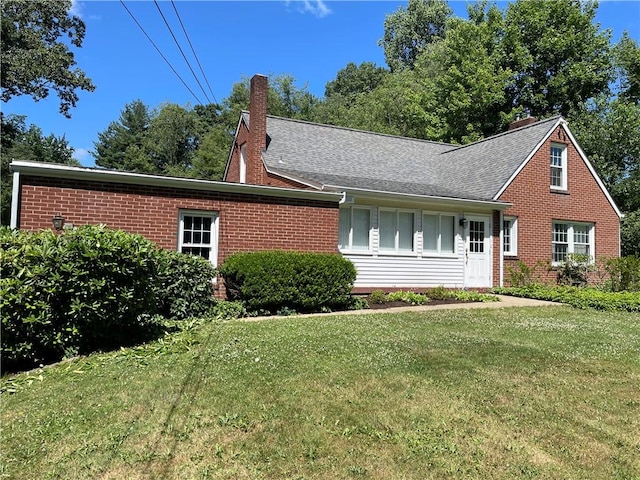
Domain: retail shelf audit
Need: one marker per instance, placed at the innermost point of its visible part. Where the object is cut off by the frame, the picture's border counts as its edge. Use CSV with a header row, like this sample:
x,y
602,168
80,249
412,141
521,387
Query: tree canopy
x,y
35,56
20,142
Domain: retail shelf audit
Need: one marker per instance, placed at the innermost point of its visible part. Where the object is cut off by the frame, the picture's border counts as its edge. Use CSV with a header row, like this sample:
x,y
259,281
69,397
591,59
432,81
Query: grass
x,y
497,394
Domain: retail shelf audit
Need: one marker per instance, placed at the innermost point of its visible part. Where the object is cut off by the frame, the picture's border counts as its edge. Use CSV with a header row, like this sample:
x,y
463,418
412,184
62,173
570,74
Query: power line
x,y
181,51
158,50
193,51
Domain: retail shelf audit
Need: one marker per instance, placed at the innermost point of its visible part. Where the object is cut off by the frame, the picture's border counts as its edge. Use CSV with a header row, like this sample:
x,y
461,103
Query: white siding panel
x,y
405,272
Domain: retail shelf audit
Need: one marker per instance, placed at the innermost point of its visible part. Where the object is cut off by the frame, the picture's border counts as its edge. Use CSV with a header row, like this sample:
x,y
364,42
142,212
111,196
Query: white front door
x,y
478,252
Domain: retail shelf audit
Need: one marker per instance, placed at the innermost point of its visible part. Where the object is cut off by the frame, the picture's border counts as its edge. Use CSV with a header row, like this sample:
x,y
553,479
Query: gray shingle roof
x,y
337,156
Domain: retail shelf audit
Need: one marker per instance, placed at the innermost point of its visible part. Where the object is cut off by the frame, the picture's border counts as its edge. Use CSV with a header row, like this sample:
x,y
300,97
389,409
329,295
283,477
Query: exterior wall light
x,y
58,222
463,222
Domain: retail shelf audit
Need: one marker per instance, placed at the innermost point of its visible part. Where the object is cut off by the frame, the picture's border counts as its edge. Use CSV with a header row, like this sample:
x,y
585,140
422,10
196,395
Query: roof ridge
x,y
338,127
506,132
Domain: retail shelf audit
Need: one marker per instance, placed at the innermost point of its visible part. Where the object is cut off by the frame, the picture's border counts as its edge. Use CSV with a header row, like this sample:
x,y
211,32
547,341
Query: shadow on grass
x,y
189,388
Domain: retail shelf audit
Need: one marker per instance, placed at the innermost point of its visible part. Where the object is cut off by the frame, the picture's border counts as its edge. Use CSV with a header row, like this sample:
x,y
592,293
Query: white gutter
x,y
51,170
450,201
15,200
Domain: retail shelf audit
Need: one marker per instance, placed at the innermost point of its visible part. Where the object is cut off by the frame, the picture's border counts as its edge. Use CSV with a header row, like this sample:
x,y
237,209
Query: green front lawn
x,y
496,394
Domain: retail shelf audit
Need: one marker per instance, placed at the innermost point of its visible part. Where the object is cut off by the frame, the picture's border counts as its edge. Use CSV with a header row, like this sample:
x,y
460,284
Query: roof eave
x,y
406,197
51,170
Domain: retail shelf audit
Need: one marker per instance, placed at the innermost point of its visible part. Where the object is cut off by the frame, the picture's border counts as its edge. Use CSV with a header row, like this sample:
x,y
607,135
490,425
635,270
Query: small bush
x,y
438,293
574,271
411,298
377,296
224,310
522,275
184,287
624,273
304,282
471,296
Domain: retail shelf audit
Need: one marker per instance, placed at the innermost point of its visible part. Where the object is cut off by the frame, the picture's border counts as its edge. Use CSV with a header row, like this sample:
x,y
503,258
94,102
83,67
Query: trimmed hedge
x,y
89,289
268,282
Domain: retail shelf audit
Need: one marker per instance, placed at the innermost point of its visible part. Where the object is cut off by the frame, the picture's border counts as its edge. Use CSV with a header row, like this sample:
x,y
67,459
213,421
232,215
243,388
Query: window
x,y
243,163
571,238
355,227
438,233
558,162
396,228
476,236
510,236
198,235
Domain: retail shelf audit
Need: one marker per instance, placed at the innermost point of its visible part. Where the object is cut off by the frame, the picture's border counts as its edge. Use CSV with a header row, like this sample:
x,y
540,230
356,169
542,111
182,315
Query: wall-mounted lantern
x,y
58,222
463,222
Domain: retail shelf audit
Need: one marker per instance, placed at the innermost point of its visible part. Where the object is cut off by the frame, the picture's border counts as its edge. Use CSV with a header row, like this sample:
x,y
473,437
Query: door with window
x,y
477,259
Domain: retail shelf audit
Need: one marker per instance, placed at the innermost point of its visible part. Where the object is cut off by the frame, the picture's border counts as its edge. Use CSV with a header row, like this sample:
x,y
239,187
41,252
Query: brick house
x,y
211,219
408,213
421,214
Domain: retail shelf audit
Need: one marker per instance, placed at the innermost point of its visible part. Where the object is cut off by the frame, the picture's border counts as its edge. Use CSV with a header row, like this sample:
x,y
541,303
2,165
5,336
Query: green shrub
x,y
522,275
411,298
624,273
225,310
471,296
377,296
438,293
184,286
578,297
304,282
574,271
72,293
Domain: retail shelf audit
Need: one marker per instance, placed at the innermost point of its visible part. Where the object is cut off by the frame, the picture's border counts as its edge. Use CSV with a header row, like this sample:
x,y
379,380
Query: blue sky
x,y
310,40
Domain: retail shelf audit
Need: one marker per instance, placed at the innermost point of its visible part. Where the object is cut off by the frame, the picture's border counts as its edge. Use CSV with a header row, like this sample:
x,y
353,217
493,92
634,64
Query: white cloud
x,y
76,8
315,7
82,155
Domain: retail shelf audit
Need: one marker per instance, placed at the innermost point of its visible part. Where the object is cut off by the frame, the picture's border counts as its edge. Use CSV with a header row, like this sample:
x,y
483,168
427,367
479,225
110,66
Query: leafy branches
x,y
34,58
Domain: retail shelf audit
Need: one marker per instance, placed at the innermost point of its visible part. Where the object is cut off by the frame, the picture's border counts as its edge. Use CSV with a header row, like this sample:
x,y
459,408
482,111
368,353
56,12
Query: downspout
x,y
15,201
501,250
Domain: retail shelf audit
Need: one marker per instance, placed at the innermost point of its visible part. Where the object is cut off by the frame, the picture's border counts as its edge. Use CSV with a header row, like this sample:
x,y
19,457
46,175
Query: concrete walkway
x,y
505,302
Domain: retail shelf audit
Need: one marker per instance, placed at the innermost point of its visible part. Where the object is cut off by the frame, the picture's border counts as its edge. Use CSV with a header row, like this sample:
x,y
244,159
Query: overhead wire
x,y
181,51
193,50
162,55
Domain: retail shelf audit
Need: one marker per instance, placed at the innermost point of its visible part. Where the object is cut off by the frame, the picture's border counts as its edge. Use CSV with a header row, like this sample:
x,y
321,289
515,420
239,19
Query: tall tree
x,y
172,139
626,56
20,142
120,146
354,80
35,59
557,53
464,74
408,31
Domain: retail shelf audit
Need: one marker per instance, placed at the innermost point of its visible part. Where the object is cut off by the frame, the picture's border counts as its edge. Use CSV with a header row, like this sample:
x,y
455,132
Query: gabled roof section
x,y
487,165
347,158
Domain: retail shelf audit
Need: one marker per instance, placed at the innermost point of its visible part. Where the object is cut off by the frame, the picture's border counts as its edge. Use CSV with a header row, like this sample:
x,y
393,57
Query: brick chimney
x,y
257,129
521,122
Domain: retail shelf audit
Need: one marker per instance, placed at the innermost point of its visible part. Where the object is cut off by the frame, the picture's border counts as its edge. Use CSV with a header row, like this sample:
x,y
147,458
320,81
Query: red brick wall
x,y
536,206
246,222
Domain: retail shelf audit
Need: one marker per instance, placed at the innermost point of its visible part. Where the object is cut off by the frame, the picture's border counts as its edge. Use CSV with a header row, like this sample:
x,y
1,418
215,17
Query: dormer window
x,y
243,163
558,163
